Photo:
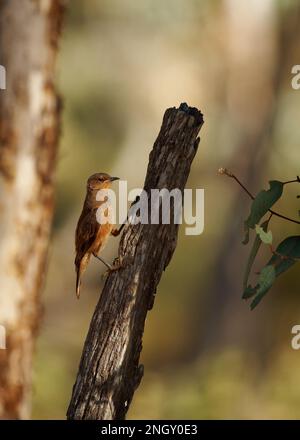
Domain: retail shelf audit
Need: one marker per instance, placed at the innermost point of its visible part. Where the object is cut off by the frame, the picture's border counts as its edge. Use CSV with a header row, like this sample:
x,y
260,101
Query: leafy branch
x,y
287,252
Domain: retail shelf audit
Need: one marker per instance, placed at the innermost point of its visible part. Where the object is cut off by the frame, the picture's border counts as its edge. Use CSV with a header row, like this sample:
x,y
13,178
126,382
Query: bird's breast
x,y
102,237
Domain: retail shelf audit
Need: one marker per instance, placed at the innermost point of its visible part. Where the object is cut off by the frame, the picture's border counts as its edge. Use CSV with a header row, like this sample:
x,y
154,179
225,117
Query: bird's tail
x,y
80,263
78,282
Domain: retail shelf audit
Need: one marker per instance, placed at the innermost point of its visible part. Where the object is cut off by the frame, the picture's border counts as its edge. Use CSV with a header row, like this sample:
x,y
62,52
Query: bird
x,y
90,235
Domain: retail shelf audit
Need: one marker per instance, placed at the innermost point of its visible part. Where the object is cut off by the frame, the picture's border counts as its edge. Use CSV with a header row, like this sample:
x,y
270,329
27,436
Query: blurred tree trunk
x,y
29,129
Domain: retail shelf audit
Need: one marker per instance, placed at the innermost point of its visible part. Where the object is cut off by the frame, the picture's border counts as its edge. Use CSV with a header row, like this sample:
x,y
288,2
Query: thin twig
x,y
292,181
229,174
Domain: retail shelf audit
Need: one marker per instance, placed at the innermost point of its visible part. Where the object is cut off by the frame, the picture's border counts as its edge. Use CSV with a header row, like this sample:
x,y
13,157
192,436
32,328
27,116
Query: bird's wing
x,y
86,232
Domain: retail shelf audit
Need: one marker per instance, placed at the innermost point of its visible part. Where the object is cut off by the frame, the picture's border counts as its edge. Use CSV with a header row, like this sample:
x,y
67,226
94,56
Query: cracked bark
x,y
109,370
29,129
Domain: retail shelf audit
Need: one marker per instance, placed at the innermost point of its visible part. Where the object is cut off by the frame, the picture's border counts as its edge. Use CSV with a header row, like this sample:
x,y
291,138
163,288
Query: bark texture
x,y
109,370
29,128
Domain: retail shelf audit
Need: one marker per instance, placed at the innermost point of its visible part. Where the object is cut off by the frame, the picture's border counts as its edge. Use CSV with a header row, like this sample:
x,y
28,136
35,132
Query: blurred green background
x,y
121,64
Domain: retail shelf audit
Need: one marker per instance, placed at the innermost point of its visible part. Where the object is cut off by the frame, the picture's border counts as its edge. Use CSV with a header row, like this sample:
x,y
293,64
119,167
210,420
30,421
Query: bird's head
x,y
99,181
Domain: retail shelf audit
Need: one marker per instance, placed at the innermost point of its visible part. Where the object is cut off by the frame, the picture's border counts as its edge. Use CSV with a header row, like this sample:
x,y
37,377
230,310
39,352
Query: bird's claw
x,y
117,264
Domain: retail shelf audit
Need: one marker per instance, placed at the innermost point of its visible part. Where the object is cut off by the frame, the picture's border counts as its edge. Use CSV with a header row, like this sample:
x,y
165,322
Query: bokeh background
x,y
121,64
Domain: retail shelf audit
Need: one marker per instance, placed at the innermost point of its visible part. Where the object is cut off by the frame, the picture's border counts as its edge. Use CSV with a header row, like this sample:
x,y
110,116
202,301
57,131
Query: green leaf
x,y
289,248
249,291
287,254
266,237
255,248
261,204
265,281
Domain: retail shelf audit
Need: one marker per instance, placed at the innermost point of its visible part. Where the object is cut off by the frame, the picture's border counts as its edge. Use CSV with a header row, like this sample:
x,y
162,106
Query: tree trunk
x,y
109,370
29,112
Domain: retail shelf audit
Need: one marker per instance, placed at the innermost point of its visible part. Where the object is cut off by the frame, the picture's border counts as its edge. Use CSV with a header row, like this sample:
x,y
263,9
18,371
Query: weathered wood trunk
x,y
109,370
29,119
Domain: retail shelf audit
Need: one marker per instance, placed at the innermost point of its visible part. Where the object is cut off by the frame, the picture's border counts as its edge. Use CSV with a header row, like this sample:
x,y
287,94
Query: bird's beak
x,y
114,178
